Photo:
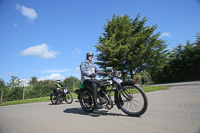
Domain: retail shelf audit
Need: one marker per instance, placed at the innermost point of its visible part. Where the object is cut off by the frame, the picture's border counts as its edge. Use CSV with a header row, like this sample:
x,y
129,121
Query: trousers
x,y
92,85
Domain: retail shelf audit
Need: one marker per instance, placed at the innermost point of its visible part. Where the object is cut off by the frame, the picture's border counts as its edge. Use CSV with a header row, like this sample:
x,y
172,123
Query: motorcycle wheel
x,y
86,101
53,99
132,100
69,98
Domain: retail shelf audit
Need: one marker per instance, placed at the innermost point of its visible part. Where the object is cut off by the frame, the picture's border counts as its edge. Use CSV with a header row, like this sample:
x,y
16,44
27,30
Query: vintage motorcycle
x,y
65,95
128,96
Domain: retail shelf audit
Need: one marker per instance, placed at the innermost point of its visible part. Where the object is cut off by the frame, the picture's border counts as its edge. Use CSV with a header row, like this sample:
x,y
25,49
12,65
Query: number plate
x,y
65,90
117,80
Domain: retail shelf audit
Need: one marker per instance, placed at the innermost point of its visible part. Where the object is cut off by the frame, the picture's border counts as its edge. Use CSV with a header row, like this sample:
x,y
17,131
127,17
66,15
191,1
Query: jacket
x,y
58,86
87,68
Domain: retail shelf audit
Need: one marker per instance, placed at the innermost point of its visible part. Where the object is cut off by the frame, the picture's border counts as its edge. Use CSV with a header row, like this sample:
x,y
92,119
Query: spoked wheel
x,y
69,98
53,99
86,101
132,100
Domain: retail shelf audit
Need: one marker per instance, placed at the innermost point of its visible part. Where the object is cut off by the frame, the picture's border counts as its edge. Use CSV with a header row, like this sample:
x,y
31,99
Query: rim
x,y
133,101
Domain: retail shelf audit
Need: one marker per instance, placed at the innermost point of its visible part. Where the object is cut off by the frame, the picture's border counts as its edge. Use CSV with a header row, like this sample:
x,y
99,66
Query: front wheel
x,y
132,100
69,98
53,99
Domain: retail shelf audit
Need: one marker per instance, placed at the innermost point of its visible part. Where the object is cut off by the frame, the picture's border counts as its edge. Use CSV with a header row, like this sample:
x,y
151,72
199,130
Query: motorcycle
x,y
128,96
65,95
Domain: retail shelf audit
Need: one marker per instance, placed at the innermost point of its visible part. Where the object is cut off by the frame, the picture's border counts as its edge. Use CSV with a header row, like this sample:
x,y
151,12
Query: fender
x,y
79,91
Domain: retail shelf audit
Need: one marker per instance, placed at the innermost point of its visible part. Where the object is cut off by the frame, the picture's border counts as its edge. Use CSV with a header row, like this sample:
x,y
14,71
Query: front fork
x,y
121,91
117,96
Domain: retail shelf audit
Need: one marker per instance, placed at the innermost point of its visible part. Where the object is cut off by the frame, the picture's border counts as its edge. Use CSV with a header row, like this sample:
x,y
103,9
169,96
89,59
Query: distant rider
x,y
58,88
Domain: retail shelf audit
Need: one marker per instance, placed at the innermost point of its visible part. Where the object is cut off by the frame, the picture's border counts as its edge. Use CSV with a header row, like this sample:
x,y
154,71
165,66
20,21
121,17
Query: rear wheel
x,y
132,100
69,98
53,99
86,101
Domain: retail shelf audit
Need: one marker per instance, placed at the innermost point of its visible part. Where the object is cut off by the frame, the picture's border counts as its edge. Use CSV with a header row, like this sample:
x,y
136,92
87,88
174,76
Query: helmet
x,y
89,54
57,80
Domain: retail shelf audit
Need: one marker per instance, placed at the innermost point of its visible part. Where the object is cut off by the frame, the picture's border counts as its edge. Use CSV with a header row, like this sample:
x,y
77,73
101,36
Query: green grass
x,y
33,100
44,99
153,88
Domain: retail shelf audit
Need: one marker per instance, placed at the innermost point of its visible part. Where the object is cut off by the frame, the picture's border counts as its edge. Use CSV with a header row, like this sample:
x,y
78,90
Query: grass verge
x,y
154,88
44,99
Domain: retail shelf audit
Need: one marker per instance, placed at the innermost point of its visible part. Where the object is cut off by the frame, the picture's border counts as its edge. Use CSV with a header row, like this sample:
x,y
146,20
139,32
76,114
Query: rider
x,y
88,74
57,88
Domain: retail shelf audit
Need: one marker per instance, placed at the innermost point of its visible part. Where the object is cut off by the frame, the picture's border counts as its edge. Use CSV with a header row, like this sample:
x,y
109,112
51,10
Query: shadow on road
x,y
96,113
57,104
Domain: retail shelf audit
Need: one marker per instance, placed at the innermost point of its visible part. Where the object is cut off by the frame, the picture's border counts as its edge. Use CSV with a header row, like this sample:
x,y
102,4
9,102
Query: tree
x,y
14,82
71,82
2,86
183,63
128,45
33,80
15,89
42,88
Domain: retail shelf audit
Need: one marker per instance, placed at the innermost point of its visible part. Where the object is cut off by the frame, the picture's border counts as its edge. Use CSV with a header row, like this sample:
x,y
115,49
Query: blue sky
x,y
49,38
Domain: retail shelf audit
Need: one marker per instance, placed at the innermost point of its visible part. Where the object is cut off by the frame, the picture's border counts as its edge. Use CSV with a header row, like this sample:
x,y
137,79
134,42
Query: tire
x,y
132,100
86,101
69,98
53,99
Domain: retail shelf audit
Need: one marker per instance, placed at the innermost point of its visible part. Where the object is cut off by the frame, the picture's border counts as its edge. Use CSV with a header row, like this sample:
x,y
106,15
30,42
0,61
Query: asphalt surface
x,y
176,110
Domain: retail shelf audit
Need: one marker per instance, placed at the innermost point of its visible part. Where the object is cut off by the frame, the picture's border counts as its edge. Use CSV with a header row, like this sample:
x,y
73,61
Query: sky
x,y
49,39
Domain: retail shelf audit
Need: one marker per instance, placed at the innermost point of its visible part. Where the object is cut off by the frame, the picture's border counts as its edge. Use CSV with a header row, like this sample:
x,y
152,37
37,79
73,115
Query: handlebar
x,y
105,73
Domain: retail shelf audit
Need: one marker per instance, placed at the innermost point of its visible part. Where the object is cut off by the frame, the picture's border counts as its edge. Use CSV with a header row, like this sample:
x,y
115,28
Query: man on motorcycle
x,y
57,88
88,74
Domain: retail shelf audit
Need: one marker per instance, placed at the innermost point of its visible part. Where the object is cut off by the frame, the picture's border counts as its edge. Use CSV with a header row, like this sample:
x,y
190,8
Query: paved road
x,y
176,110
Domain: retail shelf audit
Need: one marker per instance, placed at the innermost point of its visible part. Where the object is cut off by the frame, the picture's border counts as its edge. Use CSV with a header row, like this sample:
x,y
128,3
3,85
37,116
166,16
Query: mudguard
x,y
79,91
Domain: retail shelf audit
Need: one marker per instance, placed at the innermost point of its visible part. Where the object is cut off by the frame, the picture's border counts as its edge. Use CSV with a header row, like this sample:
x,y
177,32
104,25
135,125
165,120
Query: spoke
x,y
132,99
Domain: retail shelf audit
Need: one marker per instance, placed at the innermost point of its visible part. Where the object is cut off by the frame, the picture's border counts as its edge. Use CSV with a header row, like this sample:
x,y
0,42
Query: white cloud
x,y
53,76
15,25
41,51
9,74
24,82
77,69
76,52
30,13
168,34
55,71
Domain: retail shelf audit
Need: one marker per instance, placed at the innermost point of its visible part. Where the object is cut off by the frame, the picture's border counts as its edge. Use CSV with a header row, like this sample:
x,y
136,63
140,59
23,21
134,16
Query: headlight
x,y
118,74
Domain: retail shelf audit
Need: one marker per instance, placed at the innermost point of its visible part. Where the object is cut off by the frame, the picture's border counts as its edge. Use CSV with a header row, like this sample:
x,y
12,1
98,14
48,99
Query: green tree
x,y
183,63
71,82
15,89
33,80
128,45
42,88
2,87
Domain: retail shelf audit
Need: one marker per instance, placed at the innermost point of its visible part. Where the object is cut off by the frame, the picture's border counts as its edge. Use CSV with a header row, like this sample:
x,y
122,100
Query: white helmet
x,y
58,80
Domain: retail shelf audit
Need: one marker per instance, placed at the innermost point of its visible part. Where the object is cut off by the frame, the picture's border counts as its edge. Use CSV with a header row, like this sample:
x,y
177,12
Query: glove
x,y
93,75
104,73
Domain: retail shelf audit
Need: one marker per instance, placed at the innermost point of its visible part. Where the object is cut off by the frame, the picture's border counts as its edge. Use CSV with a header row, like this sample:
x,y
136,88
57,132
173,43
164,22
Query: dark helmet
x,y
89,54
